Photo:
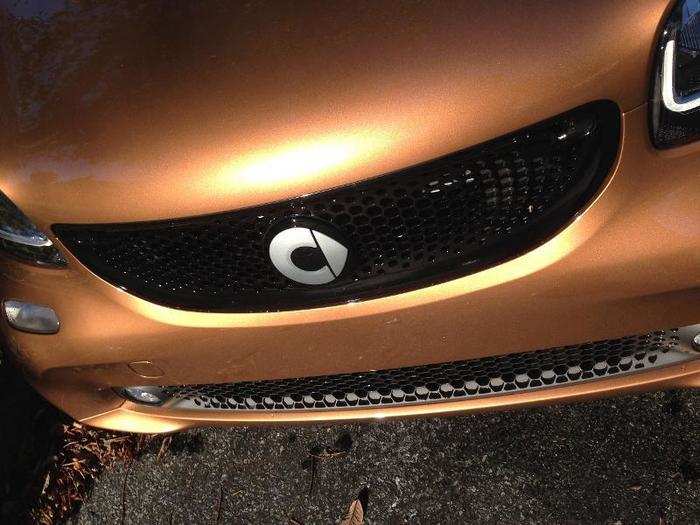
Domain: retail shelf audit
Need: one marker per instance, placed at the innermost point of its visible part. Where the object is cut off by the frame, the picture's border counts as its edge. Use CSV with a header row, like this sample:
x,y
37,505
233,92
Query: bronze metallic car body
x,y
120,113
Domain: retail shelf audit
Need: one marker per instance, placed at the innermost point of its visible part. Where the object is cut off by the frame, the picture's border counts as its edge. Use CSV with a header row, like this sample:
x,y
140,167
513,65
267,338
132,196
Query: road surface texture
x,y
626,460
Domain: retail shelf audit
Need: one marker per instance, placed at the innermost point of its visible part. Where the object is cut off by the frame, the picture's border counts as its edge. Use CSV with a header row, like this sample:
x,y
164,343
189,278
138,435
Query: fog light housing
x,y
145,395
32,318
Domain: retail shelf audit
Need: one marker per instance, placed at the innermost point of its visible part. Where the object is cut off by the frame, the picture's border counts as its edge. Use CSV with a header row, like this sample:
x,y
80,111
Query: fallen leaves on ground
x,y
342,446
82,454
355,515
356,512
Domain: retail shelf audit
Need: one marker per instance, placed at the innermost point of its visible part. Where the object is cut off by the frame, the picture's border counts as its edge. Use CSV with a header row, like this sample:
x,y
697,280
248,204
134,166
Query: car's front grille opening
x,y
423,225
446,381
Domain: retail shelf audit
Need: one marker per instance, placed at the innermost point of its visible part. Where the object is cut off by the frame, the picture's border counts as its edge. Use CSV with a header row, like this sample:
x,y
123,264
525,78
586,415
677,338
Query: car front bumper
x,y
630,263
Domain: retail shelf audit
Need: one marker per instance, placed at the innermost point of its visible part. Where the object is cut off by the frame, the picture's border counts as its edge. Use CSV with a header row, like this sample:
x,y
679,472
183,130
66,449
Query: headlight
x,y
21,239
675,108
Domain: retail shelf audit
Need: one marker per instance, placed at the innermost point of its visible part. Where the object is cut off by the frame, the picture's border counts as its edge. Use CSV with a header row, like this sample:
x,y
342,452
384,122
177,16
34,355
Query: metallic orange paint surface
x,y
132,108
224,107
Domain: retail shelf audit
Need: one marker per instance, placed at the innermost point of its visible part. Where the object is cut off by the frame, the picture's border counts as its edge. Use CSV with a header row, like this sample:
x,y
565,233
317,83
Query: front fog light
x,y
675,104
33,318
146,395
21,239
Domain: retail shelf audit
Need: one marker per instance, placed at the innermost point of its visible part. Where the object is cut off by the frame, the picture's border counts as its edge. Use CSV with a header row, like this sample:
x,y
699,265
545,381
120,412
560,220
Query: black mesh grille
x,y
486,376
426,224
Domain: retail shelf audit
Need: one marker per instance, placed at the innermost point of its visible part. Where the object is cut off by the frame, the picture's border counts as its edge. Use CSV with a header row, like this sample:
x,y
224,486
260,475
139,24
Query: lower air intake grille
x,y
412,228
440,382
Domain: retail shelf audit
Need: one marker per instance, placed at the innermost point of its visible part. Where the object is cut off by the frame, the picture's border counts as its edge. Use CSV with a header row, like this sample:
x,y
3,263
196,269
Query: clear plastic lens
x,y
675,108
21,239
32,318
149,395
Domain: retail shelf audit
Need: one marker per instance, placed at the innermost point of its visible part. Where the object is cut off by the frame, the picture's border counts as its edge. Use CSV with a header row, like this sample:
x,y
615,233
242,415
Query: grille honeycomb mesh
x,y
426,224
440,382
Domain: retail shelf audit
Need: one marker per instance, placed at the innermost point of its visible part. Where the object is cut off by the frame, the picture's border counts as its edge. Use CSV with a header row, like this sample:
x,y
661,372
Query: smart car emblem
x,y
307,255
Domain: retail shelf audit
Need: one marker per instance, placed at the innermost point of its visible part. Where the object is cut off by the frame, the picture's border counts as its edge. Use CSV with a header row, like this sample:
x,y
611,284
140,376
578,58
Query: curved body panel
x,y
113,113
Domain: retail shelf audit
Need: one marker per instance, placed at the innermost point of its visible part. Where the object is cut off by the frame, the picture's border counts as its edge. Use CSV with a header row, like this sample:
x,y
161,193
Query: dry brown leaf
x,y
164,446
46,483
355,515
327,454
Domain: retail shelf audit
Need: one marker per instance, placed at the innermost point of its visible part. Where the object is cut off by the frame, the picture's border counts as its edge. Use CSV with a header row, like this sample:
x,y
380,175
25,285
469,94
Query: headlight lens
x,y
675,108
21,239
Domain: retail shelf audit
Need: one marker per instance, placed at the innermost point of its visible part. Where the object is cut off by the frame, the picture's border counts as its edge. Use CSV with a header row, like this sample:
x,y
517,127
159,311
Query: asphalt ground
x,y
624,460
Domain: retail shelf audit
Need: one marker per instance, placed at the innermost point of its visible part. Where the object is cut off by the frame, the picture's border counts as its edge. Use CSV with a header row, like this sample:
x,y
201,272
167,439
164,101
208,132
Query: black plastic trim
x,y
522,239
